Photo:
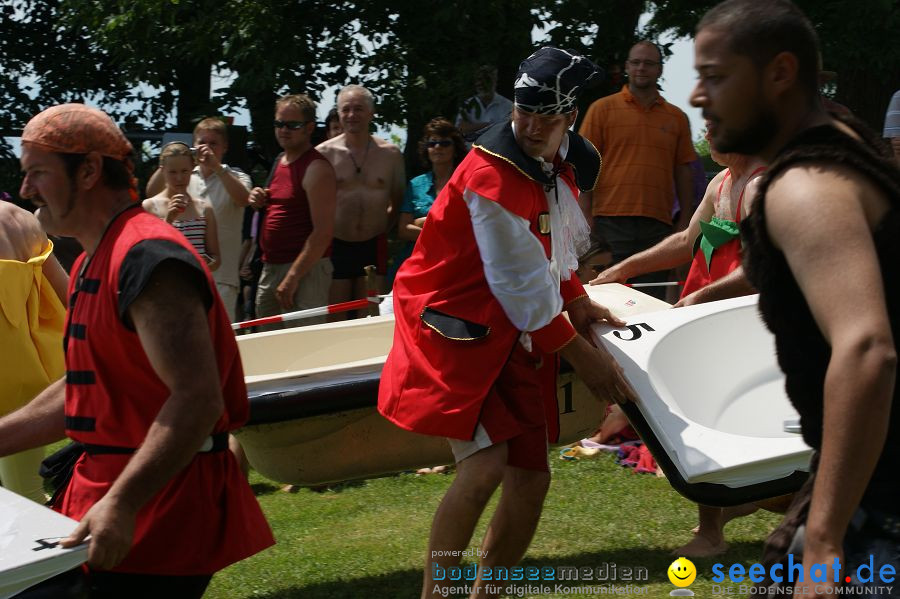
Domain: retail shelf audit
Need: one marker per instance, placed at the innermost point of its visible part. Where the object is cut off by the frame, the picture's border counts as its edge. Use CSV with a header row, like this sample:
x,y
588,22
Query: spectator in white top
x,y
485,108
228,190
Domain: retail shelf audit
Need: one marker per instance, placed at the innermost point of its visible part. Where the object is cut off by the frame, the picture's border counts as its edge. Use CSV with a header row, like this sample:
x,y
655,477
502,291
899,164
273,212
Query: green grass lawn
x,y
368,539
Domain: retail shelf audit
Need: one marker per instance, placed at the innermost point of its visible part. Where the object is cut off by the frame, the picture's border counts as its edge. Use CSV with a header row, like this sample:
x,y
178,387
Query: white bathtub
x,y
313,393
712,395
28,550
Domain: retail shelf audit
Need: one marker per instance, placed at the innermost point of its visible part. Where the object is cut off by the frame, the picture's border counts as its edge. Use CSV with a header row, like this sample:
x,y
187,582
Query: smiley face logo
x,y
682,572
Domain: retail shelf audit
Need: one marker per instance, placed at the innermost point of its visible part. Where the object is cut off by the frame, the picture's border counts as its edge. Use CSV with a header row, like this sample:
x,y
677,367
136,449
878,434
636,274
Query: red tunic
x,y
435,383
725,258
206,517
287,220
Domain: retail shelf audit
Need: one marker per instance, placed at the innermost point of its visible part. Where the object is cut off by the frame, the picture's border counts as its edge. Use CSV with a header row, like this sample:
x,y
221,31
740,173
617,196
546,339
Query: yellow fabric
x,y
31,326
19,474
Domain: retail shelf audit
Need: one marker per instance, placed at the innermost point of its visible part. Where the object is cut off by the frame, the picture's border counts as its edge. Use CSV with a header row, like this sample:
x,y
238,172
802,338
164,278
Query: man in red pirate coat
x,y
479,308
153,377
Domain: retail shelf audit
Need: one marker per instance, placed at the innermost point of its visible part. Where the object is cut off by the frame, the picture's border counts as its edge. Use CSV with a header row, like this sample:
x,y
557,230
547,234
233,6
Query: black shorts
x,y
350,258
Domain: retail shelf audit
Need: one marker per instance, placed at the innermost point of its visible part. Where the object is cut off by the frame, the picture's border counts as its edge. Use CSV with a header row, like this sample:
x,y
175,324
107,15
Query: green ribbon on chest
x,y
716,233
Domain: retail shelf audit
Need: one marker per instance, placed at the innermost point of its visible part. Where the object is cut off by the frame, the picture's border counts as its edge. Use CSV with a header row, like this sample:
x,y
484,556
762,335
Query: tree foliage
x,y
41,54
174,46
147,60
603,31
858,41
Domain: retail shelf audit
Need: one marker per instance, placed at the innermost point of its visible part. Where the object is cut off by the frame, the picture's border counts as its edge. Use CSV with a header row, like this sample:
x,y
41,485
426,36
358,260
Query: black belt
x,y
213,443
58,467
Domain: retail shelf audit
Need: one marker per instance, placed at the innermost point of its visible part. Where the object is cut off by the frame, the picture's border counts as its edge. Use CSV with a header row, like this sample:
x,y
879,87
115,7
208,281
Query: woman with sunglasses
x,y
441,149
194,217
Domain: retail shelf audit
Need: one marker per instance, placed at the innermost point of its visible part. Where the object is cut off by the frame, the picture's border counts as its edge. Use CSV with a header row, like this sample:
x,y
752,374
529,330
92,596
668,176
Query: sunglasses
x,y
292,125
634,62
444,143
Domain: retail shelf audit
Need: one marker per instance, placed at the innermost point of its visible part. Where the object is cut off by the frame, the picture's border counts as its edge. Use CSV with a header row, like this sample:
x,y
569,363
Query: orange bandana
x,y
77,129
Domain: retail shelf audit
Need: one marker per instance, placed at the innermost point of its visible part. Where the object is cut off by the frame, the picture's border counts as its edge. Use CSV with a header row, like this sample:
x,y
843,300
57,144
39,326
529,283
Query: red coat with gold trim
x,y
452,335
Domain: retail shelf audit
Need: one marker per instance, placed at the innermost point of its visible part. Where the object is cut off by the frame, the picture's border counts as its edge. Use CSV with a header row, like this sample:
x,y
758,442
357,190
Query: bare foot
x,y
737,511
435,470
700,546
730,513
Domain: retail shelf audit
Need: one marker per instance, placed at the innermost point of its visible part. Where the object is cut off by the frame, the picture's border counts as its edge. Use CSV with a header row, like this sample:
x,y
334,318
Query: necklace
x,y
365,155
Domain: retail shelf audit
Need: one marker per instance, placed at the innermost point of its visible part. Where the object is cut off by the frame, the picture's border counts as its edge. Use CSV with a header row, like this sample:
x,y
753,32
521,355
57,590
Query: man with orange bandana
x,y
479,308
153,377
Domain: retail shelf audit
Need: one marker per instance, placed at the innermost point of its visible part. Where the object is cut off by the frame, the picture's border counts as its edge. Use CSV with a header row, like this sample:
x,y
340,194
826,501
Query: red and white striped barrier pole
x,y
358,304
662,284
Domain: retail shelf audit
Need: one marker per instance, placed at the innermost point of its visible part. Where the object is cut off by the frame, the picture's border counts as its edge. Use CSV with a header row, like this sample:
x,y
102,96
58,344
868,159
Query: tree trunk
x,y
618,32
192,79
261,105
497,34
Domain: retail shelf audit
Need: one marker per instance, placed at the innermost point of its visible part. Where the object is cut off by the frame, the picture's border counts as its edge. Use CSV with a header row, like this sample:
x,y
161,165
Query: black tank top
x,y
803,353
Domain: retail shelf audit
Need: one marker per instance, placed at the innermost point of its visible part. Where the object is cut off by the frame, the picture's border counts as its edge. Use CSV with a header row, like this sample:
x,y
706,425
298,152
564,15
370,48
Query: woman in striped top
x,y
194,217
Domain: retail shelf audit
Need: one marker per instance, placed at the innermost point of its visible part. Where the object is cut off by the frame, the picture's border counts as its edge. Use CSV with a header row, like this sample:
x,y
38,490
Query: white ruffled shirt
x,y
515,266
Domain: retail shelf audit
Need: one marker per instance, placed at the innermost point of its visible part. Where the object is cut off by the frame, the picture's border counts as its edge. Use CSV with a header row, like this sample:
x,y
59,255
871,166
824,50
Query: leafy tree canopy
x,y
145,60
858,41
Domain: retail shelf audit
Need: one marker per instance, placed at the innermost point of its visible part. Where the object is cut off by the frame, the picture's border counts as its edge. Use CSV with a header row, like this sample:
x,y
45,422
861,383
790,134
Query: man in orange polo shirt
x,y
645,143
